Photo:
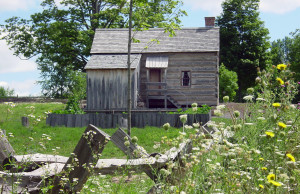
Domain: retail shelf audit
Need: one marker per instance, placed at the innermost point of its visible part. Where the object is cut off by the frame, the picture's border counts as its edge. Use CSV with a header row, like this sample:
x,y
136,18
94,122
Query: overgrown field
x,y
255,151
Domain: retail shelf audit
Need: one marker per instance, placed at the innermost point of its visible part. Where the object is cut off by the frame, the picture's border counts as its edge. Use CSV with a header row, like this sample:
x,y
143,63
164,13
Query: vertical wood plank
x,y
6,151
90,144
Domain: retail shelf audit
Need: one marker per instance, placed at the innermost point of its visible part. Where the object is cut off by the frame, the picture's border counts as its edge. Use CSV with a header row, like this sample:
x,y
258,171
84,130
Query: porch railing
x,y
160,88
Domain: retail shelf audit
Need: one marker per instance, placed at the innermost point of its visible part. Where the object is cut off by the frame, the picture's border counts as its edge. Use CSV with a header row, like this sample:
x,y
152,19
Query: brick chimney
x,y
210,21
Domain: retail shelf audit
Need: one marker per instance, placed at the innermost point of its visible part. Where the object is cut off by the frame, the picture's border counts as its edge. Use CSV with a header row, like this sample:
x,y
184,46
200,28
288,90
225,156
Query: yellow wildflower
x,y
291,157
264,168
280,81
281,125
261,159
261,186
275,183
281,66
271,177
269,134
276,104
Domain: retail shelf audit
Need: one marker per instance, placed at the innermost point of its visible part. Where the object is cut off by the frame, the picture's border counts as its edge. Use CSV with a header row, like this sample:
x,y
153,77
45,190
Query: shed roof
x,y
186,40
112,61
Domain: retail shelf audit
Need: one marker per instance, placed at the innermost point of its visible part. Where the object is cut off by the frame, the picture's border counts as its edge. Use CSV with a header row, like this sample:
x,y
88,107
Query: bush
x,y
6,92
204,109
228,83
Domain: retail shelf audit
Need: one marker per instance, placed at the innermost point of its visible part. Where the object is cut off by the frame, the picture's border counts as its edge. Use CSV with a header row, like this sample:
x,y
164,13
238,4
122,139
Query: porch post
x,y
165,80
148,78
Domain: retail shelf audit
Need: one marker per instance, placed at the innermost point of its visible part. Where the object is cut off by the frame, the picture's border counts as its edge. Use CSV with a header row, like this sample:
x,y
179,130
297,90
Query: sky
x,y
280,16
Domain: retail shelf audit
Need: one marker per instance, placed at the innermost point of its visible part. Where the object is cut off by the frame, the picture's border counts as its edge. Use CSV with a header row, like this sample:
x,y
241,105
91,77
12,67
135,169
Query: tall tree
x,y
243,40
61,35
294,54
280,50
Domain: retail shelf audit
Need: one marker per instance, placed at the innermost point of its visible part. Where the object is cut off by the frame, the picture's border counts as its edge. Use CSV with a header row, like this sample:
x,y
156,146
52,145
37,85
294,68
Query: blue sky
x,y
280,16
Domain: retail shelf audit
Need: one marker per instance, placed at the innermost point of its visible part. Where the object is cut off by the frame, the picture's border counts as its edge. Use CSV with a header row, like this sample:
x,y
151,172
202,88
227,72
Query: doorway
x,y
155,76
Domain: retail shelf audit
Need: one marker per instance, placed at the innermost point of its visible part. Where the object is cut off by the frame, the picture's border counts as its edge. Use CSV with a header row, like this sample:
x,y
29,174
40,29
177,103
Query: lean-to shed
x,y
167,72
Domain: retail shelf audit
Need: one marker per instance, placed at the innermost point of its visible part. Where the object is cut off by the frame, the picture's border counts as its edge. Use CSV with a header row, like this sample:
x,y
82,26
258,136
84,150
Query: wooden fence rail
x,y
113,120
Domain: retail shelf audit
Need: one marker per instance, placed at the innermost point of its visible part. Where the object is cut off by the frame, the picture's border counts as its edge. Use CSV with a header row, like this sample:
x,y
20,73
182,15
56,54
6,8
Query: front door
x,y
155,76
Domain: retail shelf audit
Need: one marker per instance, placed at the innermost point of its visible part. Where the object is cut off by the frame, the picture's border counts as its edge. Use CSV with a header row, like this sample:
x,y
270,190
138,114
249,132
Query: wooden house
x,y
167,72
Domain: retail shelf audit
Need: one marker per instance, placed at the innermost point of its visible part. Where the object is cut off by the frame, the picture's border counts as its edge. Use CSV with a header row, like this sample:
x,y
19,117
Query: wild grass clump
x,y
258,150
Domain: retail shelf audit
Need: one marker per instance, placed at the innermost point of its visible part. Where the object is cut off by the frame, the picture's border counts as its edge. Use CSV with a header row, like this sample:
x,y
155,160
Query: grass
x,y
41,138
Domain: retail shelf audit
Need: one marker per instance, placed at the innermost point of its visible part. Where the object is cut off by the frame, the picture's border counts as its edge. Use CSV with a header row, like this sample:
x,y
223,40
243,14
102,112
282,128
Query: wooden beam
x,y
91,144
6,152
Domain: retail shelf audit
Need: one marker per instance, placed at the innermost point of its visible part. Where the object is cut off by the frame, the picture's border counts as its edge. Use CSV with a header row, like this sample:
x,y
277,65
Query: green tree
x,y
228,83
243,40
6,92
61,36
280,50
294,54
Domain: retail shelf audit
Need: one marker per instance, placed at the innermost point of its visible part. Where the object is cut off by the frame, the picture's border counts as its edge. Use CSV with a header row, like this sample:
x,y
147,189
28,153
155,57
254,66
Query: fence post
x,y
25,121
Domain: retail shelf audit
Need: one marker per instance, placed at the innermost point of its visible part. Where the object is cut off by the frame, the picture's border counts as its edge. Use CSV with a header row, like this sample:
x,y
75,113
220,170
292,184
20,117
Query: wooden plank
x,y
41,158
6,152
118,138
162,90
90,144
25,121
155,83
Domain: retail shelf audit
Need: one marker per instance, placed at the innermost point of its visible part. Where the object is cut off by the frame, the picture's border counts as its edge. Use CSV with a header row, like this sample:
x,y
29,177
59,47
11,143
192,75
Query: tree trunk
x,y
129,70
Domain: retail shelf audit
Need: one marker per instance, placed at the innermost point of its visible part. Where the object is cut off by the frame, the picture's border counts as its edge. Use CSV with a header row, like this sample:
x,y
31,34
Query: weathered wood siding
x,y
113,120
107,89
204,87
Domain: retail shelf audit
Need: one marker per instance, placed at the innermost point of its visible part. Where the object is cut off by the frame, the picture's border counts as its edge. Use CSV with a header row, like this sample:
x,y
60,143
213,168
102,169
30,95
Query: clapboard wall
x,y
114,119
203,67
107,89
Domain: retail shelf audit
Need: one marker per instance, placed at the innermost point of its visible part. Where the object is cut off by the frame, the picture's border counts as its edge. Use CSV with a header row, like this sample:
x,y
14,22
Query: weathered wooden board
x,y
25,121
107,89
139,119
6,150
41,158
90,145
76,166
148,164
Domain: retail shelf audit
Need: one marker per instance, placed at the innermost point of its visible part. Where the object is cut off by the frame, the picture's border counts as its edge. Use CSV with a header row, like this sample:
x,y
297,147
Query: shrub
x,y
204,109
6,92
227,83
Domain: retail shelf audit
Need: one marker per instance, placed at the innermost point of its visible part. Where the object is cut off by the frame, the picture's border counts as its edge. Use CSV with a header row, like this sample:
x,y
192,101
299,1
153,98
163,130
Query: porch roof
x,y
157,62
112,61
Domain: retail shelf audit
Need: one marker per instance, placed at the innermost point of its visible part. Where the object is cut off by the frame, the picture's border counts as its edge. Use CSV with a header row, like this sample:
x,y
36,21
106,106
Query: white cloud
x,y
13,5
3,84
10,63
23,88
279,6
269,6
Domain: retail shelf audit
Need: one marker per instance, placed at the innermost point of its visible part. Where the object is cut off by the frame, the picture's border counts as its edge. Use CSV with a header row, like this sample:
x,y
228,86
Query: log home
x,y
167,72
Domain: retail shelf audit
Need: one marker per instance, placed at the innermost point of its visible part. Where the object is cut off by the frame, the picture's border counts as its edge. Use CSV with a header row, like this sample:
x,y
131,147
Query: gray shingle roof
x,y
186,40
112,61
